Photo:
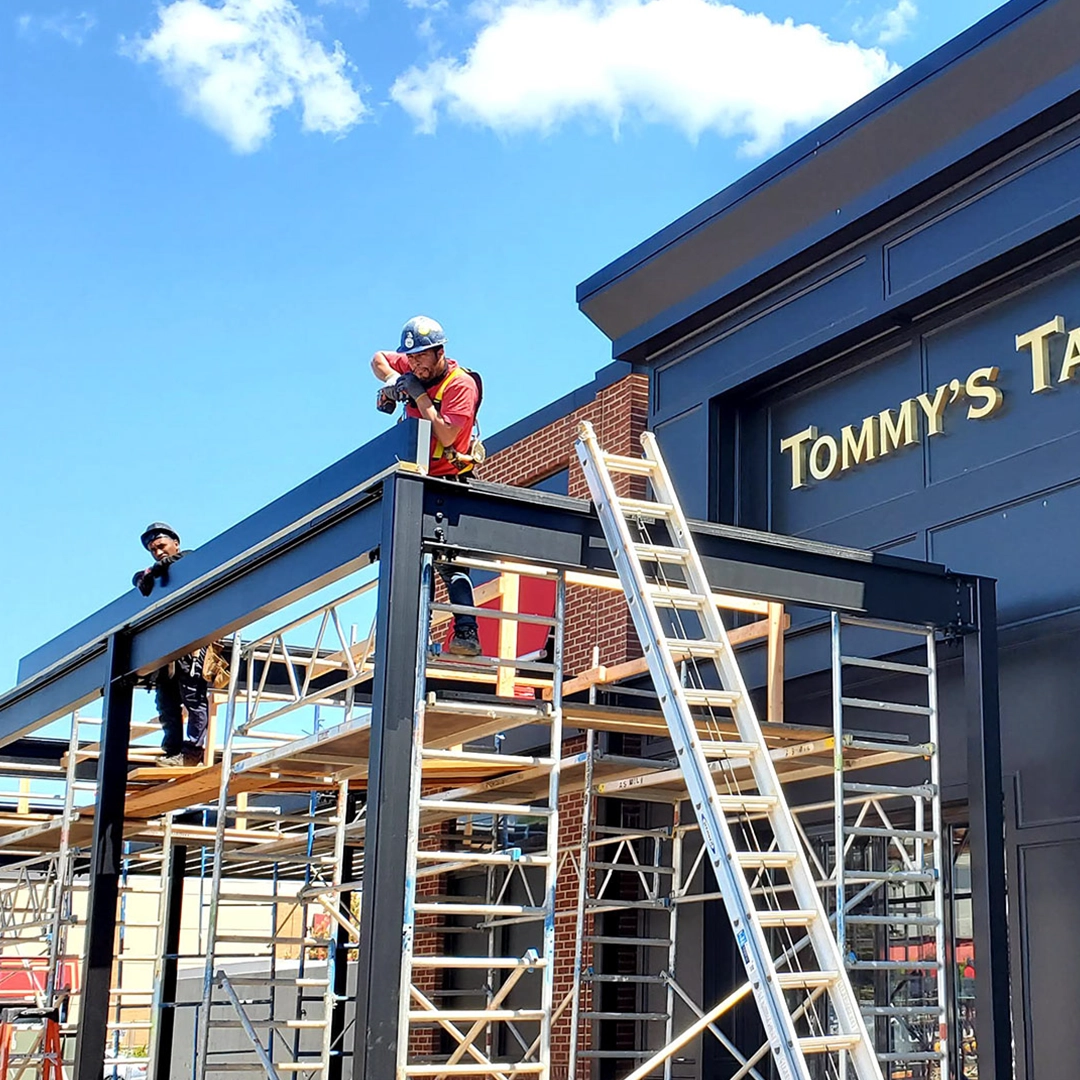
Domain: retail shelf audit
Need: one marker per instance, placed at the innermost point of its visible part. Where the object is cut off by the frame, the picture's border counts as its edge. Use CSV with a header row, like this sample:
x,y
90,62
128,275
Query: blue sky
x,y
214,211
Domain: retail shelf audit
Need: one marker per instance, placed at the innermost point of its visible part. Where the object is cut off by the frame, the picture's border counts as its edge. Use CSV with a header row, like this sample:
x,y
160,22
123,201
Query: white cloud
x,y
72,28
237,63
696,64
888,27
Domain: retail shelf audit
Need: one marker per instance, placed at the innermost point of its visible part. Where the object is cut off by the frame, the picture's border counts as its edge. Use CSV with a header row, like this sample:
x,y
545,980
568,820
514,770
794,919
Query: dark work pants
x,y
456,578
185,687
459,586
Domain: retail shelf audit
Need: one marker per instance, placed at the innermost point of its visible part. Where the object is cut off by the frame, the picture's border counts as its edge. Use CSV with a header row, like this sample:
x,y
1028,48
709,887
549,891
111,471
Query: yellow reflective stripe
x,y
438,401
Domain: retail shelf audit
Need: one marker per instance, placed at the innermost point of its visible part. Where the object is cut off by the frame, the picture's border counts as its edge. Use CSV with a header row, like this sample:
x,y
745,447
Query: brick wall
x,y
618,413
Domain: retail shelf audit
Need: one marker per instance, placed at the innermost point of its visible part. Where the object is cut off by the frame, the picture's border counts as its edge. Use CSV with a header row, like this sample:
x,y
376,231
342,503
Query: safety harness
x,y
462,462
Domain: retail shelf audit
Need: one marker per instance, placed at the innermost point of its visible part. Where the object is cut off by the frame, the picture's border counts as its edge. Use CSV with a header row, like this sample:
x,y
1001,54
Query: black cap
x,y
156,529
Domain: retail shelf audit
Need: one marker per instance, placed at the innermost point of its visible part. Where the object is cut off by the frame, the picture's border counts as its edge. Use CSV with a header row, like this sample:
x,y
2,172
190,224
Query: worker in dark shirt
x,y
179,685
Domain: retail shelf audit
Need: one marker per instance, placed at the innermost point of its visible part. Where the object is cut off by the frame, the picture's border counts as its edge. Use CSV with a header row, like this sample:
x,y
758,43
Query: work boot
x,y
171,761
465,642
193,754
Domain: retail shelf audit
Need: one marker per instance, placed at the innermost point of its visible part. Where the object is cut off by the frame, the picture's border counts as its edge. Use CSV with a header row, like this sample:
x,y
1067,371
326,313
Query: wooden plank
x,y
777,622
508,635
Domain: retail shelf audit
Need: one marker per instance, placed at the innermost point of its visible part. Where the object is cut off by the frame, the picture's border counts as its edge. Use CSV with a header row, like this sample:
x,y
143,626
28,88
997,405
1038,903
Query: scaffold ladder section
x,y
889,868
483,1007
628,931
759,866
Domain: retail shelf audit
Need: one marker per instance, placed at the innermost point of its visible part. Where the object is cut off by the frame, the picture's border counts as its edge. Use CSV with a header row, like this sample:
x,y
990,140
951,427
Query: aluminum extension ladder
x,y
676,619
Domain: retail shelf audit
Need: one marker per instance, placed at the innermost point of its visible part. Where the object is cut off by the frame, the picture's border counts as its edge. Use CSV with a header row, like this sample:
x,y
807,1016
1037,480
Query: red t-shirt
x,y
458,407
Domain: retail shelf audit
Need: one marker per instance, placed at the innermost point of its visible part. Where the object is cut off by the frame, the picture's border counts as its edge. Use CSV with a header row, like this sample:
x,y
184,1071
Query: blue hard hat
x,y
156,529
421,333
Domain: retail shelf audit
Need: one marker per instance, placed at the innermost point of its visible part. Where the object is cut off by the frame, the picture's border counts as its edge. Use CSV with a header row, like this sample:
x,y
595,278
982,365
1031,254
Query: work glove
x,y
144,581
409,387
385,402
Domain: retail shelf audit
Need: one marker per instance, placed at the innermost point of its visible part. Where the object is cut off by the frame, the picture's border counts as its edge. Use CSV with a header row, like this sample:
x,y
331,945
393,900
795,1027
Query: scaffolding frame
x,y
329,530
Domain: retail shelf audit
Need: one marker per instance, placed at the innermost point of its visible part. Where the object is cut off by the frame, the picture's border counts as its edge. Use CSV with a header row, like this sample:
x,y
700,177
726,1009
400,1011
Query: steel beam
x,y
165,997
106,858
986,809
491,519
382,915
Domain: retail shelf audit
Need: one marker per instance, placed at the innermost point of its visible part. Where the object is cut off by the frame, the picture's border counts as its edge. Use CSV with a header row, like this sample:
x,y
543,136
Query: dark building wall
x,y
763,330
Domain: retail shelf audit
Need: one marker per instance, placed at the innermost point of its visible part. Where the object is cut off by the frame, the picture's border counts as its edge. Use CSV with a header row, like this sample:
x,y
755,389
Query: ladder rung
x,y
893,965
889,834
721,699
624,1016
902,1010
674,597
489,1068
644,508
911,1055
886,706
750,804
591,976
892,920
915,791
790,917
911,749
494,613
267,980
633,868
489,758
662,553
470,1015
266,1022
853,877
825,1044
448,908
477,962
766,860
635,466
697,647
607,939
483,858
728,748
609,1054
463,807
884,624
884,665
805,980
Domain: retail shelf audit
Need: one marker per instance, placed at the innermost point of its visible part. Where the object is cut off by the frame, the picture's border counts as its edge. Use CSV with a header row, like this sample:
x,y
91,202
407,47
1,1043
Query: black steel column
x,y
105,864
341,964
382,914
986,807
165,1023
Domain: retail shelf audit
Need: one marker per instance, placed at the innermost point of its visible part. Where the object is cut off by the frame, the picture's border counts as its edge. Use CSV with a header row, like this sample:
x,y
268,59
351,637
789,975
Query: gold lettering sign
x,y
822,456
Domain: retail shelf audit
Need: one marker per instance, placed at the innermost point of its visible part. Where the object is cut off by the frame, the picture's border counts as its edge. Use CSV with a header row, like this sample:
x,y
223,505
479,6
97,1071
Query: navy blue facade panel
x,y
682,441
1048,886
1040,713
801,319
849,295
1023,545
1031,198
986,337
829,404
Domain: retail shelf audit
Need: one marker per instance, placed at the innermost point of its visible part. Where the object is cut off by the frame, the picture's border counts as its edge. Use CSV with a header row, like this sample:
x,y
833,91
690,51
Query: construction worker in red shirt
x,y
436,388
